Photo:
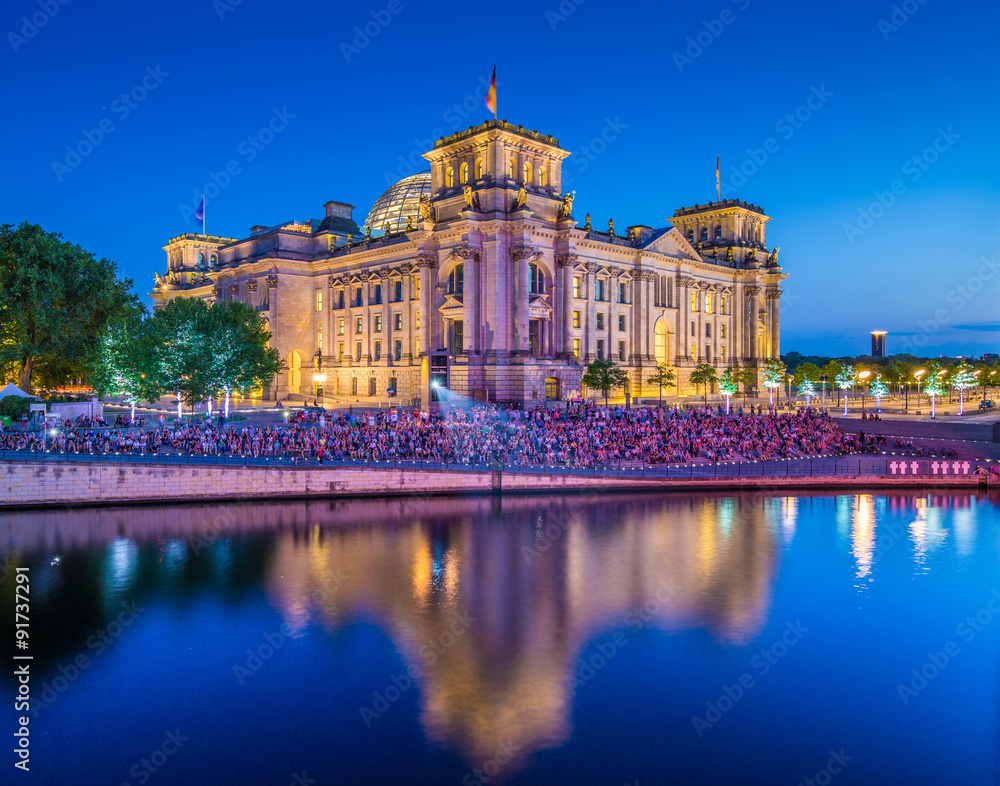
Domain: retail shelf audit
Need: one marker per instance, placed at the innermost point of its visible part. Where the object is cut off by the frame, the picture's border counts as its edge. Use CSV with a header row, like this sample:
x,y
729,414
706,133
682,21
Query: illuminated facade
x,y
481,277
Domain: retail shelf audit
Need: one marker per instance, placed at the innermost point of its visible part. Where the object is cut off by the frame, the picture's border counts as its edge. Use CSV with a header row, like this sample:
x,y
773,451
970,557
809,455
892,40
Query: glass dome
x,y
399,202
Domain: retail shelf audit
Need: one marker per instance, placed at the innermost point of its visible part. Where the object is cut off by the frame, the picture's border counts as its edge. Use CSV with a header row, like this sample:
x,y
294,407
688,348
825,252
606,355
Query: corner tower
x,y
715,228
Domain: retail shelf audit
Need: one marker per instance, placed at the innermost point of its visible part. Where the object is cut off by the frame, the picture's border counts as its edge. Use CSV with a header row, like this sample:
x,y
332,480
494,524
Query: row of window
x,y
708,330
397,350
528,173
709,302
704,234
577,321
397,323
708,353
357,296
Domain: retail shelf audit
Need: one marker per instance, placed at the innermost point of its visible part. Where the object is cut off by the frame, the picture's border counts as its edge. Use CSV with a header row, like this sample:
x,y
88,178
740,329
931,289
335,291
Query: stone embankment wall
x,y
31,484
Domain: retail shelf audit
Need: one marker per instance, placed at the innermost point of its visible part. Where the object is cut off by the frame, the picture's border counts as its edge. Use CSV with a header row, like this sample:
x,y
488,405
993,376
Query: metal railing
x,y
823,466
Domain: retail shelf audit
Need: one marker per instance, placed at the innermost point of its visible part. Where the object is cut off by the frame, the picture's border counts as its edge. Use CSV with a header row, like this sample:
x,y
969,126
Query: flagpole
x,y
204,210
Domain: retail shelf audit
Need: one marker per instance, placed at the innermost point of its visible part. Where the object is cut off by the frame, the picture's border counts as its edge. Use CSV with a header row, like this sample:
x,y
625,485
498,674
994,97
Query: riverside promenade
x,y
72,482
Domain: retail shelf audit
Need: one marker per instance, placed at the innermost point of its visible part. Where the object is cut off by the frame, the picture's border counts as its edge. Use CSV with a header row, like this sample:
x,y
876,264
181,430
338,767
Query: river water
x,y
593,639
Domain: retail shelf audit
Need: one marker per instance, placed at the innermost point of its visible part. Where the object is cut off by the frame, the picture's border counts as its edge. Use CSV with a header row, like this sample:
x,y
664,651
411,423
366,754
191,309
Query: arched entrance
x,y
294,372
661,342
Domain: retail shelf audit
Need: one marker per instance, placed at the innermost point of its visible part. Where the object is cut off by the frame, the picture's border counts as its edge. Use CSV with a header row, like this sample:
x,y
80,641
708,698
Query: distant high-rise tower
x,y
878,343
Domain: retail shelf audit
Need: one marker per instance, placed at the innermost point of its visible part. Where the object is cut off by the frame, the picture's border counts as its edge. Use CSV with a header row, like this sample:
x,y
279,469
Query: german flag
x,y
491,94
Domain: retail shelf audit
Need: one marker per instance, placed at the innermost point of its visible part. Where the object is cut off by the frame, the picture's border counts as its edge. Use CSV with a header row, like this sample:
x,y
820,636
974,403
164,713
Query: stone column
x,y
589,348
366,324
751,293
566,263
775,324
426,263
521,254
470,261
406,334
683,328
386,335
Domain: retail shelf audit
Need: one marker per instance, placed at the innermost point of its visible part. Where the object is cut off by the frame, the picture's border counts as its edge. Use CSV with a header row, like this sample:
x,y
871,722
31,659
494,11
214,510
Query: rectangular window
x,y
600,349
722,353
694,352
358,324
694,301
722,305
354,386
708,303
357,351
339,299
576,319
576,347
599,289
693,331
458,336
319,299
397,350
576,286
378,295
378,323
398,293
621,292
416,321
319,338
340,326
621,323
397,321
357,296
340,351
708,331
600,320
621,350
670,293
722,331
378,350
416,286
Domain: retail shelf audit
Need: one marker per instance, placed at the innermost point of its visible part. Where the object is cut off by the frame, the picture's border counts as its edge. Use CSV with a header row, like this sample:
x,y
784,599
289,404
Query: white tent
x,y
13,390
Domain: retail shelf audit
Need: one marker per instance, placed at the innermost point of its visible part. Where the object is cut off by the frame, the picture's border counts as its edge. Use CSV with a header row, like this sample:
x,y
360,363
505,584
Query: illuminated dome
x,y
399,202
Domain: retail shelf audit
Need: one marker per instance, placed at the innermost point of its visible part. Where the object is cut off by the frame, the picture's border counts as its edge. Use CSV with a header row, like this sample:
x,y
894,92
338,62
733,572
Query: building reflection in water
x,y
493,601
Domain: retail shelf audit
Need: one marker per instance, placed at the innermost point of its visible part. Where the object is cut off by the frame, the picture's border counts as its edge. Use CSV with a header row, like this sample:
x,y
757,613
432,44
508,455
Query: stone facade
x,y
493,289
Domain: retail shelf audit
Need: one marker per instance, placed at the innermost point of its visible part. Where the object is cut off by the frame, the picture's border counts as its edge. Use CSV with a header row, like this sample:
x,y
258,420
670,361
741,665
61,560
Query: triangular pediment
x,y
672,243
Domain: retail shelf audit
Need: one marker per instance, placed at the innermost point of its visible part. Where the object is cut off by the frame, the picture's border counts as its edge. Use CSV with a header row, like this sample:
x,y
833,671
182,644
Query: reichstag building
x,y
476,277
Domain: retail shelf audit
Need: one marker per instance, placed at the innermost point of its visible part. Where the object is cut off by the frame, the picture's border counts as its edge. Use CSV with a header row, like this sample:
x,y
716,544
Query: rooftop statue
x,y
471,200
521,200
426,208
567,205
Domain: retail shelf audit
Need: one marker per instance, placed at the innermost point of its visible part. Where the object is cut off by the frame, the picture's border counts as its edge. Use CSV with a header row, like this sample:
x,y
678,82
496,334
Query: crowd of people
x,y
482,435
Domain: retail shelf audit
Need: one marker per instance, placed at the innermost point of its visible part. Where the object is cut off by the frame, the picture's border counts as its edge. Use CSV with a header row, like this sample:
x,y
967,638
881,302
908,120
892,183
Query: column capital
x,y
751,289
426,260
522,250
566,260
773,294
272,280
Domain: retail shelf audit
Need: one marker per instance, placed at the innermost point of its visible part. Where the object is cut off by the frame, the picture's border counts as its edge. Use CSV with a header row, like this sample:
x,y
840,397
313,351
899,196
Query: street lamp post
x,y
917,377
823,379
863,376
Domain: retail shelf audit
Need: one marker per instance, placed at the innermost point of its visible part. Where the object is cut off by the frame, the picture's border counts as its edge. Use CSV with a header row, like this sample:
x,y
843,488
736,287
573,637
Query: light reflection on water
x,y
493,603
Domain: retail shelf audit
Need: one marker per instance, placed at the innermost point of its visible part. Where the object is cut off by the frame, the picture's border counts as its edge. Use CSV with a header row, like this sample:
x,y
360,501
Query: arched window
x,y
704,234
543,177
212,260
456,280
513,168
690,236
660,341
527,173
463,173
718,232
201,259
479,169
537,280
449,178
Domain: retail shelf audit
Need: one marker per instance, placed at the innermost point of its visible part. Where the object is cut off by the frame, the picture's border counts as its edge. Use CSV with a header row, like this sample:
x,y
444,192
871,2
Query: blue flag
x,y
200,214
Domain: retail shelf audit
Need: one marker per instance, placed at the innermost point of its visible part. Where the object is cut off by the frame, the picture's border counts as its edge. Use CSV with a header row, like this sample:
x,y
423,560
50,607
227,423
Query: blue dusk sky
x,y
868,130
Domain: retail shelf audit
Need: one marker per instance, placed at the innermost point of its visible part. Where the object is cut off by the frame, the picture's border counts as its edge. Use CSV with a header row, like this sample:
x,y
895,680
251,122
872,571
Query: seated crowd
x,y
483,435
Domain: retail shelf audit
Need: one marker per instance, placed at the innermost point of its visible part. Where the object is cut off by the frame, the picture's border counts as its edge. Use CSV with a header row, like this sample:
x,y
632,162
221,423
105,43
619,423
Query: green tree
x,y
703,374
878,390
807,388
729,384
963,379
846,379
15,406
810,370
933,386
772,375
182,357
56,300
238,340
830,371
665,377
124,366
604,375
